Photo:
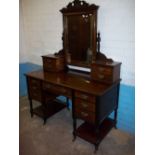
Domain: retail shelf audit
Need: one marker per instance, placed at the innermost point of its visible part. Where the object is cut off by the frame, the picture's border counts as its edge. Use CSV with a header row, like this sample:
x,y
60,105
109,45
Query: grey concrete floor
x,y
55,138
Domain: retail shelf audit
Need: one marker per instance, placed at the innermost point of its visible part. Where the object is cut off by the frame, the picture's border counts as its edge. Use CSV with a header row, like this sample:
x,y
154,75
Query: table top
x,y
72,80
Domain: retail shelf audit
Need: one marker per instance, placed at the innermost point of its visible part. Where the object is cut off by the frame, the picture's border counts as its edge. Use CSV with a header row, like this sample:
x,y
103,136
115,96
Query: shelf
x,y
87,131
51,109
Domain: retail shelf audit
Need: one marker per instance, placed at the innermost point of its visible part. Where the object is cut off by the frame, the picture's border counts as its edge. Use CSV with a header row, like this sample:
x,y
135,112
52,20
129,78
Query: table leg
x,y
115,118
31,107
67,102
74,129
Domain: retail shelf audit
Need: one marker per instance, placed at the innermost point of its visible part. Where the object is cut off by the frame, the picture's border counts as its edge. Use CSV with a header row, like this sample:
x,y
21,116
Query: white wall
x,y
23,46
42,31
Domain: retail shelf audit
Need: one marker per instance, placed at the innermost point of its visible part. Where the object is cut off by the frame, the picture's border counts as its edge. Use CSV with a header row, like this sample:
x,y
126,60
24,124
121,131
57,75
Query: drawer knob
x,y
101,76
63,90
34,88
48,86
84,105
84,97
101,69
84,114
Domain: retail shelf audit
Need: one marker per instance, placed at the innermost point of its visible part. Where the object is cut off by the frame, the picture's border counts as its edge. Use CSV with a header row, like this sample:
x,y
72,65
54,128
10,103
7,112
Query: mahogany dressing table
x,y
93,90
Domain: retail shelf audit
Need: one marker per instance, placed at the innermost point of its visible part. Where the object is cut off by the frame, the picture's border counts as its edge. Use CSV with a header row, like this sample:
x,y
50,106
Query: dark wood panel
x,y
85,96
55,89
88,131
85,105
35,89
85,115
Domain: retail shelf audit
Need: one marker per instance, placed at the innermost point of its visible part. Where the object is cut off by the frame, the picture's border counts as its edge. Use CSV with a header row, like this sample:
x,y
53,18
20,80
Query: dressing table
x,y
81,73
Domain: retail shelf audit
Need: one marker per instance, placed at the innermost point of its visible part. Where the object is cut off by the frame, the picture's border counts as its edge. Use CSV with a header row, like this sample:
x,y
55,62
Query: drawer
x,y
53,64
102,70
106,73
57,89
85,96
85,115
34,89
85,105
49,63
101,77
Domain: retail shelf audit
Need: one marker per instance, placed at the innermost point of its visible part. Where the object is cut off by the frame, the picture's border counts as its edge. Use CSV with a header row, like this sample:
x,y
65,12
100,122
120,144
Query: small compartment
x,y
53,63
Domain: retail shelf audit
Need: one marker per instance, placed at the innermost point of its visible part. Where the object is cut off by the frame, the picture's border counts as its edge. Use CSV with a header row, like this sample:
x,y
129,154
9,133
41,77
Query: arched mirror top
x,y
80,32
79,6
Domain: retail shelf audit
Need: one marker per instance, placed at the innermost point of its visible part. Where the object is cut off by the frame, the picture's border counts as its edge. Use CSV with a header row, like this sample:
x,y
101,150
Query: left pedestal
x,y
49,110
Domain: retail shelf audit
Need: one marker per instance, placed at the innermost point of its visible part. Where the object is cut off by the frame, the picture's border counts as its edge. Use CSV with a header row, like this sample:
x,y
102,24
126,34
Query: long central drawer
x,y
55,89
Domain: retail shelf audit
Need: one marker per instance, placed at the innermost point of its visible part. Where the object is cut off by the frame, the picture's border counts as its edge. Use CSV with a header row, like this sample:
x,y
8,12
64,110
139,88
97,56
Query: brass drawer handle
x,y
34,88
84,96
101,76
84,114
63,90
101,69
84,105
35,94
48,60
47,86
34,81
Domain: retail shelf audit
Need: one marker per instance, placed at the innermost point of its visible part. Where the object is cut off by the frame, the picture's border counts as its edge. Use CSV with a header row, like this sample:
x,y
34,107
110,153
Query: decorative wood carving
x,y
78,5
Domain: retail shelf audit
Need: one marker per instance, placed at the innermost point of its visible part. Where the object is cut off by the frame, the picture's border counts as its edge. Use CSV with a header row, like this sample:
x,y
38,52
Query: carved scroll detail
x,y
78,5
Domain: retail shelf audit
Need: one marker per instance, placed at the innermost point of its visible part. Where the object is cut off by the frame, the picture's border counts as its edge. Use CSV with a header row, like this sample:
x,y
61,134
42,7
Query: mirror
x,y
79,37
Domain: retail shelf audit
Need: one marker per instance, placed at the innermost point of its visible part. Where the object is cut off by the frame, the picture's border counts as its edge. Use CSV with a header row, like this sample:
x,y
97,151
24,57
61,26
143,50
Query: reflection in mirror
x,y
80,37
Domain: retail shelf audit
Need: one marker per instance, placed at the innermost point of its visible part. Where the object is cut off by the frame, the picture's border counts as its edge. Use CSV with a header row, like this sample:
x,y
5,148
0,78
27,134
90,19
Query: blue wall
x,y
126,110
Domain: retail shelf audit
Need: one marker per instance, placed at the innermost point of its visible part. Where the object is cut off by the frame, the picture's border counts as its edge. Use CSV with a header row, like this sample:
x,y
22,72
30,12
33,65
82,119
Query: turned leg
x,y
97,132
74,129
96,147
116,110
67,102
31,107
115,118
45,121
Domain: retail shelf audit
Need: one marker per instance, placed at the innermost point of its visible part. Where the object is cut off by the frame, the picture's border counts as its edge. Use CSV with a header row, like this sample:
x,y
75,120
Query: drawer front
x,y
102,70
57,89
85,105
34,89
101,77
101,73
85,96
49,63
53,65
85,115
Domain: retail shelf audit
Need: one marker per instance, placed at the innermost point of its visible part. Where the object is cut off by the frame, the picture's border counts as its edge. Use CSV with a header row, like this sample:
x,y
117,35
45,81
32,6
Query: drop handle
x,y
101,76
84,105
34,88
84,114
84,97
101,69
63,90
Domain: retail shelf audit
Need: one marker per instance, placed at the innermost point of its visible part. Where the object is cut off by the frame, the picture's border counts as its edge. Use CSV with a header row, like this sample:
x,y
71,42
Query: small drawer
x,y
101,77
102,70
34,89
85,115
82,104
105,72
53,63
85,96
56,89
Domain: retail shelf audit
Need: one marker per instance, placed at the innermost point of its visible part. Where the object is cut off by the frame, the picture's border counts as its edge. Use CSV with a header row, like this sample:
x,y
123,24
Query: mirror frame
x,y
74,8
